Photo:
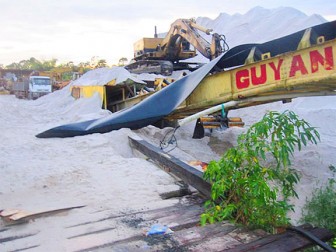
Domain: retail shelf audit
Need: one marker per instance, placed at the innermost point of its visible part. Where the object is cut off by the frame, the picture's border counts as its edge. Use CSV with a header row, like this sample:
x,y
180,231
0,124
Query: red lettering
x,y
242,79
297,65
327,61
276,69
261,79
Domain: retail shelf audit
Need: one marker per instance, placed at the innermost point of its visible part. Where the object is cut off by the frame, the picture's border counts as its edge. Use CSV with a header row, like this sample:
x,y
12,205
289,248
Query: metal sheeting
x,y
237,55
89,91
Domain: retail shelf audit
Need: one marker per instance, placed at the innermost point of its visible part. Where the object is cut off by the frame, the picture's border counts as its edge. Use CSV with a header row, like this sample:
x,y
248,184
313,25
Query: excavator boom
x,y
182,42
185,30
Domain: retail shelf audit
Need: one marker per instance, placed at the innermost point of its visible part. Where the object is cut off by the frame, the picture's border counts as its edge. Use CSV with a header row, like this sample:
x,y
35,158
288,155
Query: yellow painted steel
x,y
89,91
294,71
306,70
212,88
147,44
111,83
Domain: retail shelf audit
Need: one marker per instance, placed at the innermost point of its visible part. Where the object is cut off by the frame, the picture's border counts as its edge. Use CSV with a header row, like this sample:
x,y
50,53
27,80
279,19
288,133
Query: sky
x,y
78,30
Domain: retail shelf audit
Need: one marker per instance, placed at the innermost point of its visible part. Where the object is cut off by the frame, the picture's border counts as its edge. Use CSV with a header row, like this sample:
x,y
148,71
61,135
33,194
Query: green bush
x,y
320,209
251,183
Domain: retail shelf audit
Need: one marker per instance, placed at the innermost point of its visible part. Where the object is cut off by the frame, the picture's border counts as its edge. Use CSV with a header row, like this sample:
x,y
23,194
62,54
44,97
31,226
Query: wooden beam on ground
x,y
169,163
285,242
16,216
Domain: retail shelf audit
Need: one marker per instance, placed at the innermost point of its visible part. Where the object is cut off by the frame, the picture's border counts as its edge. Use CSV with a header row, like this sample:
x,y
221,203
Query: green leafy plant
x,y
252,182
320,209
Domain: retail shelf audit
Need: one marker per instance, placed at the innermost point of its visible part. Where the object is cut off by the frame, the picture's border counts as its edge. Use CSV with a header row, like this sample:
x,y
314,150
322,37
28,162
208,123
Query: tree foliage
x,y
47,65
320,209
252,182
101,63
122,61
33,64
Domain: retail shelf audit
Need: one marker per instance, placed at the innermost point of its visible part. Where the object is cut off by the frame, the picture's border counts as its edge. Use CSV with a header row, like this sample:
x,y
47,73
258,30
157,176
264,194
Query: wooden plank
x,y
15,237
92,232
182,219
215,237
131,235
151,214
215,244
198,234
8,212
107,234
3,230
19,216
169,163
288,241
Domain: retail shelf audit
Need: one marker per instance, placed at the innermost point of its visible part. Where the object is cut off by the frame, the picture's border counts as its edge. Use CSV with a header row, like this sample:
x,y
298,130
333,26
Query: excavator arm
x,y
154,55
186,30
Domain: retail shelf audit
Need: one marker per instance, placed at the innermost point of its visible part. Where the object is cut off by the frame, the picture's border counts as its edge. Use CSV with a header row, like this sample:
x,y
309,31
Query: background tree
x,y
70,64
13,65
94,61
83,67
33,64
101,63
49,64
122,61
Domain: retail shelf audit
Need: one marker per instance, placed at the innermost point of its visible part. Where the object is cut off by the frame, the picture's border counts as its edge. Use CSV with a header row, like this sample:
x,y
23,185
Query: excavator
x,y
183,40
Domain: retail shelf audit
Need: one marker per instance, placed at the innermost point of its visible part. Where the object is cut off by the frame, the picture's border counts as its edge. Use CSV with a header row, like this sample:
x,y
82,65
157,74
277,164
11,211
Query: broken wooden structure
x,y
292,239
89,229
108,231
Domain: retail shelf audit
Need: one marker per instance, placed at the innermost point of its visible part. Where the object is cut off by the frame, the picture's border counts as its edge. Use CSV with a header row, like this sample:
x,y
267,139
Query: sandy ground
x,y
101,170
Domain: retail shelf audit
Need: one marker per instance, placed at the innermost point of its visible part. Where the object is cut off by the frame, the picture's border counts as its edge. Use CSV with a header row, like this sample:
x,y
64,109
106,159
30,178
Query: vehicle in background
x,y
61,76
33,87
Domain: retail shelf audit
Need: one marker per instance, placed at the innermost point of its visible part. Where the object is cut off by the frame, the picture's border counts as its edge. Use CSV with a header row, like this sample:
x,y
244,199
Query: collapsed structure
x,y
300,64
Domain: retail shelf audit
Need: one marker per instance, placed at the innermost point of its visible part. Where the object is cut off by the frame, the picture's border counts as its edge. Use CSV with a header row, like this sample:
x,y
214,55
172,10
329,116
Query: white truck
x,y
33,88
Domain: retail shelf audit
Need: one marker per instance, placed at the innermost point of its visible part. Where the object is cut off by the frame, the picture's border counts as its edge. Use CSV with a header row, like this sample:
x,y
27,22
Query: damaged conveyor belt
x,y
142,114
166,101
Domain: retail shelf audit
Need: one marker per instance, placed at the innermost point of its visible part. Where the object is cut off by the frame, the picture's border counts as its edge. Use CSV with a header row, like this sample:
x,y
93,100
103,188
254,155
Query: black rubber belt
x,y
313,238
